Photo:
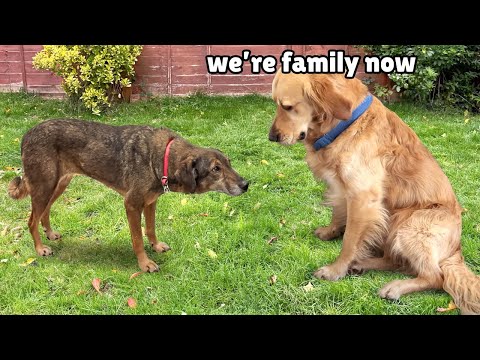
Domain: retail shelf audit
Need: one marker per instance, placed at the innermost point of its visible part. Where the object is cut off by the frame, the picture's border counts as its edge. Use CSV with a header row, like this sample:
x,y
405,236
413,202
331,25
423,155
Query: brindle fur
x,y
128,159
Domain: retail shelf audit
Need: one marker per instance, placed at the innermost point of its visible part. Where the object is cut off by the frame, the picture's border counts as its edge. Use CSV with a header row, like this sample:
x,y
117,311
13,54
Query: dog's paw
x,y
327,233
53,235
148,266
44,250
329,273
391,291
355,270
160,247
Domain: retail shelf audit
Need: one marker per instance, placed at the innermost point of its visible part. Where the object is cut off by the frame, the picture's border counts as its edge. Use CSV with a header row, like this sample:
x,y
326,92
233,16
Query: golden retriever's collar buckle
x,y
328,138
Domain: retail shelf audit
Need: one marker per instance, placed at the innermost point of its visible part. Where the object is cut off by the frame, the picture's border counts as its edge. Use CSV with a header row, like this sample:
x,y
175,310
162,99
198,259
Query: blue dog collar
x,y
328,138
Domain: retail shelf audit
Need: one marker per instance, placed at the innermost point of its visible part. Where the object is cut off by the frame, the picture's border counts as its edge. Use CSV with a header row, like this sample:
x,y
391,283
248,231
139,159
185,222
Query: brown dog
x,y
129,159
390,197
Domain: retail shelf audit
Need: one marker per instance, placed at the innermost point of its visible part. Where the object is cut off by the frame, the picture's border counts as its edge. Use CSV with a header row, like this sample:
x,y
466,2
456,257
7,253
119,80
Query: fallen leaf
x,y
264,186
203,214
114,270
154,301
183,313
272,239
280,175
232,212
16,140
16,229
134,275
221,306
272,279
170,217
451,306
3,260
225,205
212,254
4,231
143,231
81,292
257,206
282,222
183,202
264,162
30,261
444,135
197,245
466,121
464,210
308,287
96,285
132,303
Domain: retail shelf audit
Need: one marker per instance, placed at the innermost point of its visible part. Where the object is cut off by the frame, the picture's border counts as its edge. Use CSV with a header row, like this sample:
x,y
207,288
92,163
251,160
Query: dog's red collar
x,y
165,166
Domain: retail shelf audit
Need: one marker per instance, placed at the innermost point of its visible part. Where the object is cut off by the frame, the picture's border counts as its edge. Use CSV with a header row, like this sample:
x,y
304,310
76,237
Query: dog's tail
x,y
17,189
462,284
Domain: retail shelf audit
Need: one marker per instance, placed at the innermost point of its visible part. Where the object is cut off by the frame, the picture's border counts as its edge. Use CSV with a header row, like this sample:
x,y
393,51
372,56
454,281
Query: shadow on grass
x,y
117,256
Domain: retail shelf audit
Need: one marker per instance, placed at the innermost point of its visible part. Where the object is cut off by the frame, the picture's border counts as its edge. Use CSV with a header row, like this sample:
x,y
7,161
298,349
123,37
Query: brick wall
x,y
165,69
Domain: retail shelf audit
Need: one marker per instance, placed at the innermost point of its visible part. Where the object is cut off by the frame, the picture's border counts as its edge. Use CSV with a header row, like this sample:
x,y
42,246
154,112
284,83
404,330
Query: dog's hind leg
x,y
372,263
40,193
149,212
423,240
60,188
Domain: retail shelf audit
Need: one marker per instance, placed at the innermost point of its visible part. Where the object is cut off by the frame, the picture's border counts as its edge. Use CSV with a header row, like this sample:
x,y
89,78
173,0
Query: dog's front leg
x,y
365,222
134,208
149,212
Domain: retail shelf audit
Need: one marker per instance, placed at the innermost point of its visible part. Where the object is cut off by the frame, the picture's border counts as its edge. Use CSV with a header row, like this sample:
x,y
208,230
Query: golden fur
x,y
391,201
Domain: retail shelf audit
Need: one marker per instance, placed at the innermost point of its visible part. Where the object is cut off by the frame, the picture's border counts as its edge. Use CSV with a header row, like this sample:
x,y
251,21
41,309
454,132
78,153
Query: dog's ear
x,y
325,97
187,174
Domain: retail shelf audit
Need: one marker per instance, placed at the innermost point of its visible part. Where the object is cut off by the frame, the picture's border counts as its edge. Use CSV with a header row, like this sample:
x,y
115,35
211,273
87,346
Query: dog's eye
x,y
287,107
216,168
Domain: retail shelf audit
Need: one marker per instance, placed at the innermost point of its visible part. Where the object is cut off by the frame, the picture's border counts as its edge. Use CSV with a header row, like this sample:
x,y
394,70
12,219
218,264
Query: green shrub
x,y
444,73
95,74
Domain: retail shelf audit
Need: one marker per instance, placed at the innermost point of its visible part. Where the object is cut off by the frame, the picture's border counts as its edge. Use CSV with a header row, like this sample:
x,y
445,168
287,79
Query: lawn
x,y
283,202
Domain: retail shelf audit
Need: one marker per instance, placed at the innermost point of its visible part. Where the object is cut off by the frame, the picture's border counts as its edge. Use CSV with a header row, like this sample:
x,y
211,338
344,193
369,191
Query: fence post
x,y
24,72
169,70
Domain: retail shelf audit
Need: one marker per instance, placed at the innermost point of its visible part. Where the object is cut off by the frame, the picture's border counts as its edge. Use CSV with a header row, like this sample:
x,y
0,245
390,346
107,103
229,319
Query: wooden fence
x,y
164,69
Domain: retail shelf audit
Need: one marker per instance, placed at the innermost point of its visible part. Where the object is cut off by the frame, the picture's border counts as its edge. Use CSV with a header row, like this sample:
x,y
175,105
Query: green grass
x,y
96,242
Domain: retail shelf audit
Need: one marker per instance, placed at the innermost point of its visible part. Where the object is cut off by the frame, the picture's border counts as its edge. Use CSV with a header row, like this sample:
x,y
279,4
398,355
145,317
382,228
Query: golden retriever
x,y
391,201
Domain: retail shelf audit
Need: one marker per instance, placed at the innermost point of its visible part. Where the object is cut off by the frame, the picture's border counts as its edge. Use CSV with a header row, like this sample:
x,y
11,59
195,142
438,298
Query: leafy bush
x,y
95,74
444,73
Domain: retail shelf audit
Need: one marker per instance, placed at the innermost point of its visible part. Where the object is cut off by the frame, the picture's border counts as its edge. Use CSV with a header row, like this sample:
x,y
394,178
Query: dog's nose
x,y
302,136
244,185
273,135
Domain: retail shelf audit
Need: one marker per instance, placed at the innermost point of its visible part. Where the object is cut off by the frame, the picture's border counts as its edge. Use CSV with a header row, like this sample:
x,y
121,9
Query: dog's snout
x,y
302,135
274,135
244,185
